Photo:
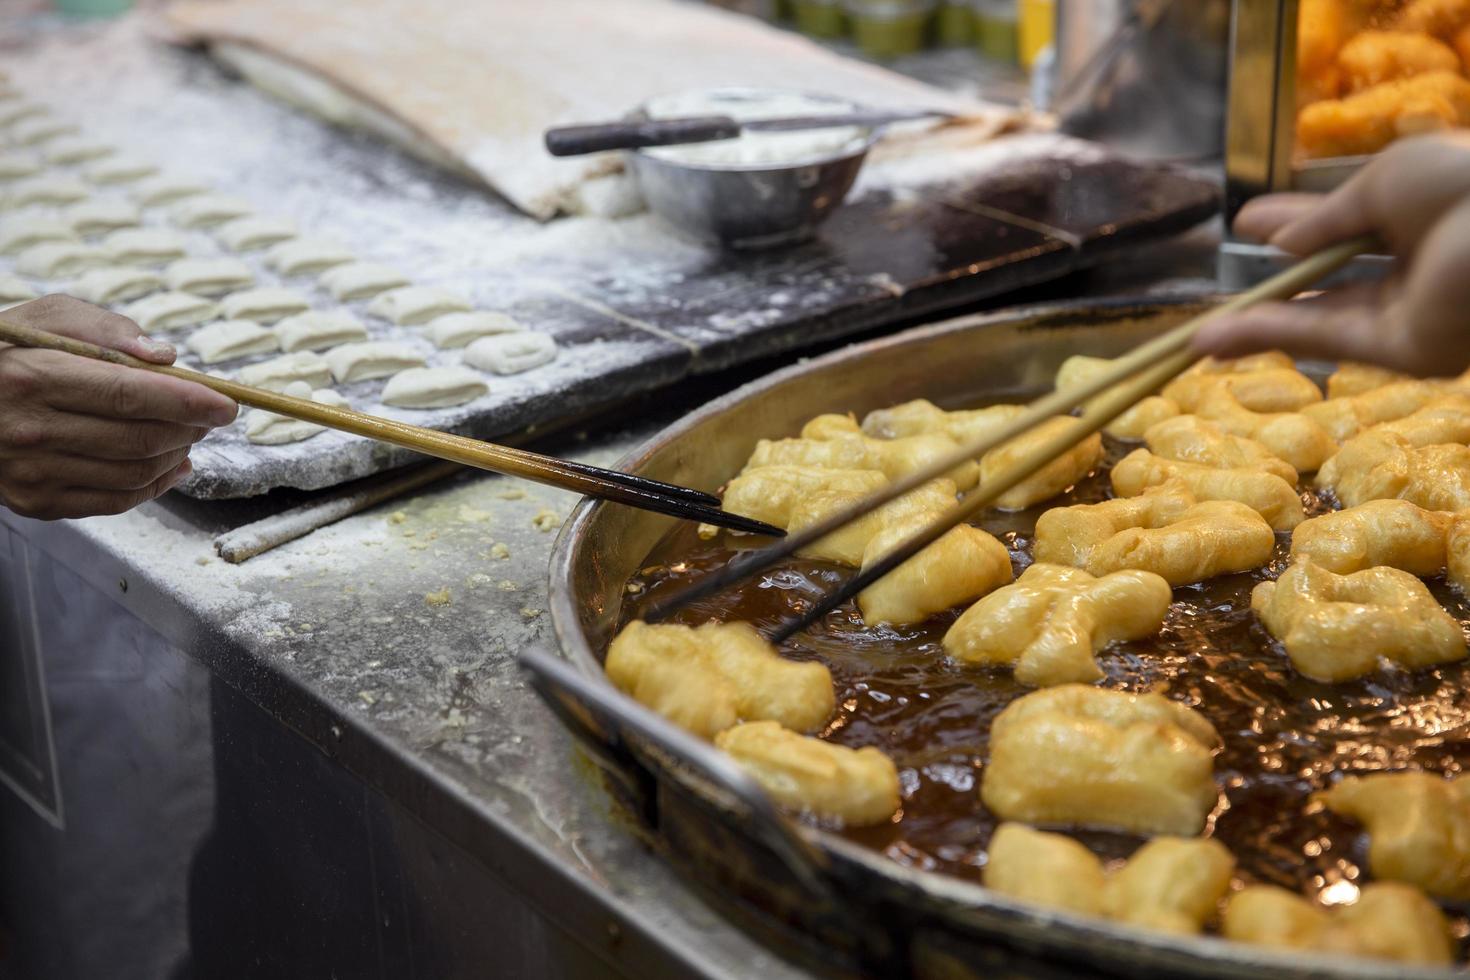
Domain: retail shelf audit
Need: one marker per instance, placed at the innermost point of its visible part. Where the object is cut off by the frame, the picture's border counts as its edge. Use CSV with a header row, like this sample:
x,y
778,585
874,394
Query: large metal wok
x,y
842,908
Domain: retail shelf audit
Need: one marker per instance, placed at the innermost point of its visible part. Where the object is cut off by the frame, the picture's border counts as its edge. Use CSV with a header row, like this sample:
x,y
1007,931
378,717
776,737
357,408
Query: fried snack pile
x,y
1091,757
1292,436
1389,921
1054,619
856,787
1418,828
835,442
1345,417
1265,493
1380,465
1372,71
772,493
1338,627
708,678
1131,424
1171,884
1164,530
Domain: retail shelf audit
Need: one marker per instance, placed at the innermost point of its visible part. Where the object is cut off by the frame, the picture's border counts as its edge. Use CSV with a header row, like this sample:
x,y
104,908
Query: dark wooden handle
x,y
630,134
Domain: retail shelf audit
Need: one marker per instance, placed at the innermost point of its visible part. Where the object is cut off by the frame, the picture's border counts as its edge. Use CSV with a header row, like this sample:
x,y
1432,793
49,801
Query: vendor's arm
x,y
1415,197
81,437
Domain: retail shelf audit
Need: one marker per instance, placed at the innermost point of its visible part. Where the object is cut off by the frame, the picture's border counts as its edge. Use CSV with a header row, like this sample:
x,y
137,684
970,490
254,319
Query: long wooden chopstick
x,y
593,481
1161,352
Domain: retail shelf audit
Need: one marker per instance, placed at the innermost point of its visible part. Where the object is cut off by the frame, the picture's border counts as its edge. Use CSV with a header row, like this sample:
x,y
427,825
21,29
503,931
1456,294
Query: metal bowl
x,y
749,205
855,911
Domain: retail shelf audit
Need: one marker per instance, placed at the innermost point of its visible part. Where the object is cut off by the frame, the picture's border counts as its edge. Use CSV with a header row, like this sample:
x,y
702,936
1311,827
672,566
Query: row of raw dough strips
x,y
49,248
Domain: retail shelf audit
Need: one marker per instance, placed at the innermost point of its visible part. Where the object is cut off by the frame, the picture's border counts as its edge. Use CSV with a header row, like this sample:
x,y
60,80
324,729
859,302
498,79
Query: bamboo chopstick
x,y
1152,356
593,481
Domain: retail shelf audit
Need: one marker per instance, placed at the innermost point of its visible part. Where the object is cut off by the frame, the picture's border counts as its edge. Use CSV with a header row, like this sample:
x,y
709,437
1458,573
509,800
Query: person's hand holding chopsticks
x,y
80,437
1415,197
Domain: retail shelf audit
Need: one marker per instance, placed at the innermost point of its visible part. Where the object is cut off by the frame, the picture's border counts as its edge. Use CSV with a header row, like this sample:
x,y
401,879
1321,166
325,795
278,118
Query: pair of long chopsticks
x,y
1124,383
593,481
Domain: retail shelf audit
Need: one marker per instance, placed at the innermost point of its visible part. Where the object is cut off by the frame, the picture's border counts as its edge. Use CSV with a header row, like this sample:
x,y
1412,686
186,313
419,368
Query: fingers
x,y
76,385
48,504
1263,217
1359,323
1398,196
73,318
99,438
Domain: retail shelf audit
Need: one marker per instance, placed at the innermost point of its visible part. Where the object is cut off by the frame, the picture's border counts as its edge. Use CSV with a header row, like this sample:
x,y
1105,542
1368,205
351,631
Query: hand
x,y
81,437
1415,196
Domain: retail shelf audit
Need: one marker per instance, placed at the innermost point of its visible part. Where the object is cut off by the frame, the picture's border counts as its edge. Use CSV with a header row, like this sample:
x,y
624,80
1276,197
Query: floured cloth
x,y
474,85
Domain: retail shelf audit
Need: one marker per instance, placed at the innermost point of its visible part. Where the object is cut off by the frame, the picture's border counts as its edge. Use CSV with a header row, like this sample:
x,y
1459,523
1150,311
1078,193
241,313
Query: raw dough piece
x,y
1266,493
145,246
306,256
436,387
208,277
1418,827
319,330
40,129
511,353
413,305
226,340
278,372
14,166
13,290
208,210
1339,627
454,330
1132,423
46,189
120,169
76,149
58,260
12,113
171,311
374,359
1054,620
853,787
1085,756
166,188
253,232
1389,921
99,216
361,280
115,284
1395,533
269,429
710,677
264,304
1164,530
23,231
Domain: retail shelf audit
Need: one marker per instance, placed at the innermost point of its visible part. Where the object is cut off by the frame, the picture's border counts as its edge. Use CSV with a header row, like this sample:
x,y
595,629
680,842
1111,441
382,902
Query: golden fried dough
x,y
1054,619
1371,57
847,544
1050,870
960,567
1274,389
1163,530
1052,479
833,447
856,787
773,493
1191,439
1380,465
1441,18
1132,423
709,677
1367,121
1265,493
1337,627
1388,921
1344,418
1322,27
1352,378
1291,436
1086,756
1171,884
1395,533
921,416
1418,827
1457,552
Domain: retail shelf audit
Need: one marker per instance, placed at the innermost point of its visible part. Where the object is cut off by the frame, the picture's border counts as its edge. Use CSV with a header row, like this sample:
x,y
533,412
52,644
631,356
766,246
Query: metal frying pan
x,y
842,908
